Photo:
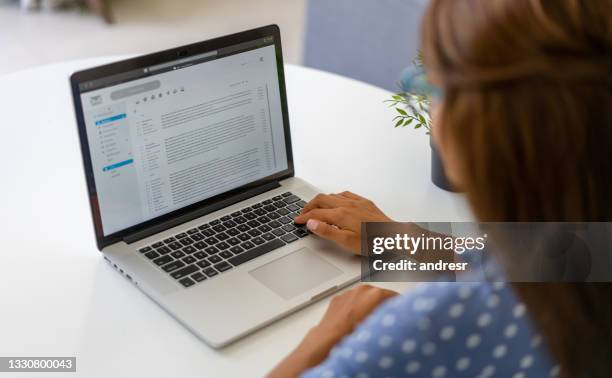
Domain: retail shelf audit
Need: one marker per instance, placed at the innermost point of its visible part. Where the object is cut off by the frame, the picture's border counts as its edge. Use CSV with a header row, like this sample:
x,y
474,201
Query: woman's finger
x,y
343,238
337,217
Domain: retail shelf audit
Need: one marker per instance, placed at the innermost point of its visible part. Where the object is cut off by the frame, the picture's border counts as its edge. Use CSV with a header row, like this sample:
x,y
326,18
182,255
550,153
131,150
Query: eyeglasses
x,y
414,81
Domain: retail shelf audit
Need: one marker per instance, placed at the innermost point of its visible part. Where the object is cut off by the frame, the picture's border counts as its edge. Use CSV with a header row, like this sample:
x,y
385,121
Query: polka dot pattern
x,y
444,330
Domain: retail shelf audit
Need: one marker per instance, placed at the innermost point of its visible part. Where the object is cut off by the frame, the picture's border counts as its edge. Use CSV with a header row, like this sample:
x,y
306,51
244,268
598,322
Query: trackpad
x,y
295,273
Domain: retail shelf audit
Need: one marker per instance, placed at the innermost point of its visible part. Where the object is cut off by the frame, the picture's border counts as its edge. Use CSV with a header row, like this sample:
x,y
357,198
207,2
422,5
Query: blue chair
x,y
368,40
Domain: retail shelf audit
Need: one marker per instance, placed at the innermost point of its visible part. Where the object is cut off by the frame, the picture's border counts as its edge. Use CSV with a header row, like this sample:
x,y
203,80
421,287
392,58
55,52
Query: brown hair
x,y
527,108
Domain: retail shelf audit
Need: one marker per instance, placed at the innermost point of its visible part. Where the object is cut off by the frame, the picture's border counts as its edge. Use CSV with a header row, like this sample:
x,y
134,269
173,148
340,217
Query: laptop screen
x,y
167,136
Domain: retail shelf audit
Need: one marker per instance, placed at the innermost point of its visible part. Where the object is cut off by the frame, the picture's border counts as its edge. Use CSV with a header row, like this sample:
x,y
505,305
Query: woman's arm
x,y
344,313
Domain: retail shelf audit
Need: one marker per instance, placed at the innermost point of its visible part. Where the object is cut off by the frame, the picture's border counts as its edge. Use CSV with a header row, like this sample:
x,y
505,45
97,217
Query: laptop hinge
x,y
134,237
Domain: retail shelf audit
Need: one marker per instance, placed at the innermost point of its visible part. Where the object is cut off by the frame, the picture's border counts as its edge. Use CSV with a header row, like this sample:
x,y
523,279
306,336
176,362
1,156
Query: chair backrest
x,y
368,40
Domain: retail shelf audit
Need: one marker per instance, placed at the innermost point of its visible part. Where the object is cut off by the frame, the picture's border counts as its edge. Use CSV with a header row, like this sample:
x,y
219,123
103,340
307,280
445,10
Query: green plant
x,y
412,106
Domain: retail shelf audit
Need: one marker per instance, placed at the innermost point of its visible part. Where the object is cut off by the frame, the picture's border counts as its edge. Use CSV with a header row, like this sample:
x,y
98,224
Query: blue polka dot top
x,y
458,329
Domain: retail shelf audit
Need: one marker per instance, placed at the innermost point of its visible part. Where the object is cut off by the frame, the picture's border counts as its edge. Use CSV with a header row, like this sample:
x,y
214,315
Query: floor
x,y
34,38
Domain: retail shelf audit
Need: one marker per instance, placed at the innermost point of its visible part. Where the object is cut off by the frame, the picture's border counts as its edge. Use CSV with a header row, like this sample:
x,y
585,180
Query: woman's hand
x,y
338,217
344,313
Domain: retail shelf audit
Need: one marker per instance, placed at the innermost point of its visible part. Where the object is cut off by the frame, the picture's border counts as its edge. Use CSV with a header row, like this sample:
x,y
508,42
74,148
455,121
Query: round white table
x,y
58,297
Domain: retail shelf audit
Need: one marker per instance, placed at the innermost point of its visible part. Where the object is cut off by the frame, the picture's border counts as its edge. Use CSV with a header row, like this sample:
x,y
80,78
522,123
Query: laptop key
x,y
293,207
244,237
193,231
274,214
233,232
300,232
200,255
187,282
268,208
189,249
240,220
257,206
229,224
163,250
215,259
243,228
264,228
256,252
198,277
267,202
204,226
158,244
222,236
211,250
276,198
258,240
254,232
152,255
286,194
223,266
178,274
219,228
233,241
211,241
250,216
197,237
226,254
235,214
210,272
278,232
173,266
145,249
181,235
222,245
282,211
169,240
288,227
279,204
174,246
288,238
274,224
285,220
263,219
208,232
268,236
189,260
215,222
203,263
177,254
163,260
291,199
200,245
236,250
225,218
247,245
301,204
253,223
186,241
246,210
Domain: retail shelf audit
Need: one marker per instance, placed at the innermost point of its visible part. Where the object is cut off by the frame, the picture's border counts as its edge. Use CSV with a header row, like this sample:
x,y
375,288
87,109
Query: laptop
x,y
189,168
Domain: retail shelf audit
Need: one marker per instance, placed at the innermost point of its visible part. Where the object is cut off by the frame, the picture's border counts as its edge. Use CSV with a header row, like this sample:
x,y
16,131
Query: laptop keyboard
x,y
215,247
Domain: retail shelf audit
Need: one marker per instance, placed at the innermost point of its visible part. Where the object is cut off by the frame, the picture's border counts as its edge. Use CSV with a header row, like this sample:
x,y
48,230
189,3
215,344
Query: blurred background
x,y
369,40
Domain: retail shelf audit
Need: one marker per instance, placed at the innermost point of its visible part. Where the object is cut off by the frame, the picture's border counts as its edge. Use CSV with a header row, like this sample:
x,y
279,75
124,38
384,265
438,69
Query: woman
x,y
524,127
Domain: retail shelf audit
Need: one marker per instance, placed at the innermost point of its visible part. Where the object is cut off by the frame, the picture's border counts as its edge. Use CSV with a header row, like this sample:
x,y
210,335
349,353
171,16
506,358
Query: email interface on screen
x,y
202,126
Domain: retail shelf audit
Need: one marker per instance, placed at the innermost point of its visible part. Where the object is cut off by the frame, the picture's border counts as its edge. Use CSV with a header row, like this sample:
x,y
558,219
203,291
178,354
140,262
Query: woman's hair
x,y
527,109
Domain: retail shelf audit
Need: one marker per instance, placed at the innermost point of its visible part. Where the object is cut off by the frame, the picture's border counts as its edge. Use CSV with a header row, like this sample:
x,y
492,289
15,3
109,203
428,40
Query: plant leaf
x,y
401,111
398,123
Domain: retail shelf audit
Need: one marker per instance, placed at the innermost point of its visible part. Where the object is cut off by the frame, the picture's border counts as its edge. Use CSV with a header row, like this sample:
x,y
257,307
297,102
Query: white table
x,y
58,297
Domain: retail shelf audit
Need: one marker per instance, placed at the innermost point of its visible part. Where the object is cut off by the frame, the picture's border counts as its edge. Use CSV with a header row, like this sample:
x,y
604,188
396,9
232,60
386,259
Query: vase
x,y
438,174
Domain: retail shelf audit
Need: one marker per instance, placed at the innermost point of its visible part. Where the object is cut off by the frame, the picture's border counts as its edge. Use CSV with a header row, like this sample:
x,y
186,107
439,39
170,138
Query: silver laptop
x,y
188,162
